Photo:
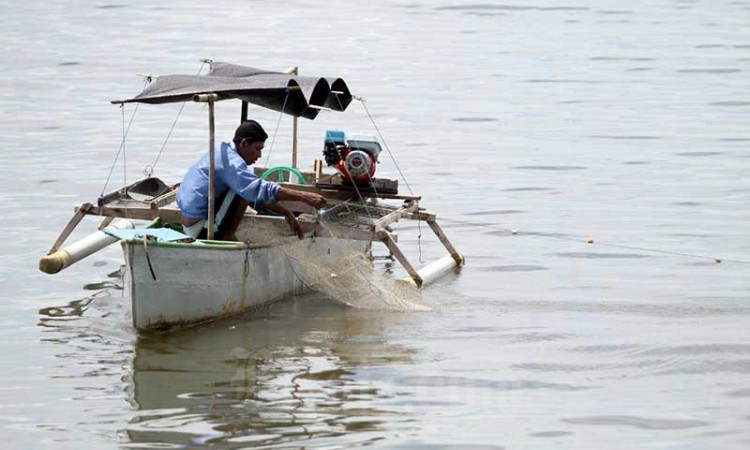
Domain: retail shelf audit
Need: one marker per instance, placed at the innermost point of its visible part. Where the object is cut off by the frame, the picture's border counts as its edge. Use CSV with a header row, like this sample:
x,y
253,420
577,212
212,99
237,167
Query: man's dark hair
x,y
249,130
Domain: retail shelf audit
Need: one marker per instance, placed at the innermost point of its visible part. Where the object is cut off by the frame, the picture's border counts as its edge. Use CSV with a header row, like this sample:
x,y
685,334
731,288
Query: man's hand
x,y
295,225
314,200
311,198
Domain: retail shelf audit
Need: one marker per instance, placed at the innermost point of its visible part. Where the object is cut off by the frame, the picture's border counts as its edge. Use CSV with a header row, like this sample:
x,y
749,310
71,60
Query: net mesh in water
x,y
351,278
360,215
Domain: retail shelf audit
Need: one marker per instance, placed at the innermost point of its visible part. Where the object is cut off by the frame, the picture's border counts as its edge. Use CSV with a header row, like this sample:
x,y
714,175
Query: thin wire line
x,y
273,139
336,96
403,177
122,145
278,122
590,242
150,169
124,154
385,144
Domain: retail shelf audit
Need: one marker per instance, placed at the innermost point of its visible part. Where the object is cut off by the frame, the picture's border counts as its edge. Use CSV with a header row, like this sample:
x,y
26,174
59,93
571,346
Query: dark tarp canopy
x,y
298,96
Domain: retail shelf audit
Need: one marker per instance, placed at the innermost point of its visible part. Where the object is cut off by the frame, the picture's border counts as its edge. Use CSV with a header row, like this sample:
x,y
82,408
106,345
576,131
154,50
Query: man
x,y
236,187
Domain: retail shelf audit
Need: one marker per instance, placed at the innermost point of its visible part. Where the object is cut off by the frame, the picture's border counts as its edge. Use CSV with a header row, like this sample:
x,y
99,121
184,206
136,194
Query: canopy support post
x,y
243,115
294,71
210,99
294,142
211,168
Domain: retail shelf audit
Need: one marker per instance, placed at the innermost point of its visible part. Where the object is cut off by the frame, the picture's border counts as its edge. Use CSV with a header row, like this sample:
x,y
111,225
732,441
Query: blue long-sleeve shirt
x,y
231,172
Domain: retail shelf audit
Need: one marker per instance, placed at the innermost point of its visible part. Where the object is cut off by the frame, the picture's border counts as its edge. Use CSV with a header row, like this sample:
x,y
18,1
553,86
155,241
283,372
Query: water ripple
x,y
443,382
551,168
514,268
713,71
591,255
494,7
474,119
637,422
730,103
563,81
623,137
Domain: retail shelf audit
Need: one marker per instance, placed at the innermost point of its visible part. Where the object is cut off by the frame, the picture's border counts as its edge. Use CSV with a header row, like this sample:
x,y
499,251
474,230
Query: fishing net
x,y
351,277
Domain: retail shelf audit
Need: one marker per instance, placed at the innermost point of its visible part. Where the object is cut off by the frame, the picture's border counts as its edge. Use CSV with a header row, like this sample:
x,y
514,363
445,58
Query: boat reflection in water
x,y
283,374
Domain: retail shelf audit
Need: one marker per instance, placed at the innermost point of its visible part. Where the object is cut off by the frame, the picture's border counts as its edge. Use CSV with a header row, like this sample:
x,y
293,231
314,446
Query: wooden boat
x,y
172,280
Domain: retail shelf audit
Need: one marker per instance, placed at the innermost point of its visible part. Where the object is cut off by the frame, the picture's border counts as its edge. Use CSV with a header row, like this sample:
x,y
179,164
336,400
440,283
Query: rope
x,y
385,144
401,173
148,258
603,244
273,138
124,159
149,170
122,145
276,130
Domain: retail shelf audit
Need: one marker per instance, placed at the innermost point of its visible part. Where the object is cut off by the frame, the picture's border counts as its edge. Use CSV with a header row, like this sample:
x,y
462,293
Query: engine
x,y
355,157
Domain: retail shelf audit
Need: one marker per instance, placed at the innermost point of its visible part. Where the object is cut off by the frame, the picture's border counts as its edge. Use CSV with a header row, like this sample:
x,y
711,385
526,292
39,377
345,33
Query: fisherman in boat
x,y
236,187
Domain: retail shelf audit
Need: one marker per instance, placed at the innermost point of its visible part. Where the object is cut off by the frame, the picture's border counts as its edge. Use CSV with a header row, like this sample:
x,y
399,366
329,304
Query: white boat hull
x,y
172,285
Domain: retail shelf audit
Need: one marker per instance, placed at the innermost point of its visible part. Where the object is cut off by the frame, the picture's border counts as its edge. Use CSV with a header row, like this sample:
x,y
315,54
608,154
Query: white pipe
x,y
432,272
57,261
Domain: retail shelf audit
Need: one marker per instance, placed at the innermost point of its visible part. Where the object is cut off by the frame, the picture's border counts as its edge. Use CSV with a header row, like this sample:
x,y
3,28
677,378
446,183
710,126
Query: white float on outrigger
x,y
173,280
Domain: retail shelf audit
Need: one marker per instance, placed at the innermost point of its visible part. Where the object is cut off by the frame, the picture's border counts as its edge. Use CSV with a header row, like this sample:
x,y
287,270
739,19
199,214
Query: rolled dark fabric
x,y
287,93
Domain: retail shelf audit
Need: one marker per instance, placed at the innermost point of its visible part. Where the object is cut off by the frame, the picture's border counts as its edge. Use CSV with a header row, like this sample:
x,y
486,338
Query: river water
x,y
622,123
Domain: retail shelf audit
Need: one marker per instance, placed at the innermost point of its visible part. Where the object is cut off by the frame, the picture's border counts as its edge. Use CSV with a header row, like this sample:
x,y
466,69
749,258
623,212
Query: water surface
x,y
531,128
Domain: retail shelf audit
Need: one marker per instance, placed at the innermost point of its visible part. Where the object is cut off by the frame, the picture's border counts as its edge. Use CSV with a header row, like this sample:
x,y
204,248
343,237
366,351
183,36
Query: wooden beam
x,y
421,215
81,211
165,199
339,232
339,193
297,207
375,186
395,216
444,240
117,194
105,223
144,212
389,242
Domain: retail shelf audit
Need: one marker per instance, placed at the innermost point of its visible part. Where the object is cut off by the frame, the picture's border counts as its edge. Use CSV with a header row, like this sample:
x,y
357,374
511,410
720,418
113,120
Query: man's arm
x,y
311,198
290,219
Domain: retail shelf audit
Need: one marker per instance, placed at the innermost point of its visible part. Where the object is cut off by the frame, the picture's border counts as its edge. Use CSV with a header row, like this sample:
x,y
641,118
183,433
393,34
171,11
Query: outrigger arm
x,y
380,231
431,272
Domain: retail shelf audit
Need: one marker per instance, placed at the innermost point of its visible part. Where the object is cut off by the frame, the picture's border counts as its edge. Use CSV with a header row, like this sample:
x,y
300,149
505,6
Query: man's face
x,y
250,151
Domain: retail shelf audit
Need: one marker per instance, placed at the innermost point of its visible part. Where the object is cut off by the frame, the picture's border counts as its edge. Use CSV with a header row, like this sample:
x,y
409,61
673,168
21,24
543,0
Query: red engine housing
x,y
356,166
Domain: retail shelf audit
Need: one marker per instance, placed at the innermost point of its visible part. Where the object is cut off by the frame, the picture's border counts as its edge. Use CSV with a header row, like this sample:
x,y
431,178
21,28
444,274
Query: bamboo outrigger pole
x,y
210,99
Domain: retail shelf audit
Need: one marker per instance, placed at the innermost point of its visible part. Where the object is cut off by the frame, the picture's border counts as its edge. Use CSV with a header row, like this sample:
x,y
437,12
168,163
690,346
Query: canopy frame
x,y
287,93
